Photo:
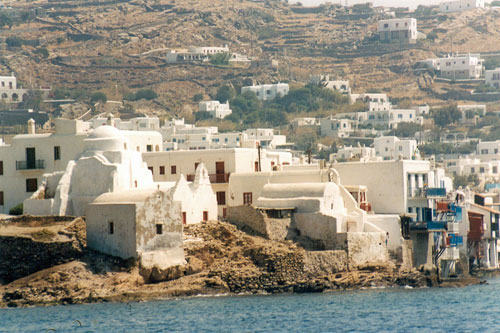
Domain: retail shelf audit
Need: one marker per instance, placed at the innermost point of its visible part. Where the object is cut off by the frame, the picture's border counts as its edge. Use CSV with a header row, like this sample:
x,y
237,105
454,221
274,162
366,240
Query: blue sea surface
x,y
469,309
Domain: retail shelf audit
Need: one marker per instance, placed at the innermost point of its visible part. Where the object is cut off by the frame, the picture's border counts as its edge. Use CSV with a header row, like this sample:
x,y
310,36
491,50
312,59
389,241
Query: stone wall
x,y
366,249
247,217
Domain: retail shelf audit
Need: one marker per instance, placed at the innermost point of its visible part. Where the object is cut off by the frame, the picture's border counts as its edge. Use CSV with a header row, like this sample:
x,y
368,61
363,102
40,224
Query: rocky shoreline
x,y
220,260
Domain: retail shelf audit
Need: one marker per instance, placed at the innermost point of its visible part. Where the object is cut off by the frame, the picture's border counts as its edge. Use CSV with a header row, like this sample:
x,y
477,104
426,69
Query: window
x,y
111,228
162,170
1,198
400,148
221,198
1,168
149,148
496,150
159,229
495,169
481,170
472,170
247,198
31,184
57,153
386,25
151,169
173,170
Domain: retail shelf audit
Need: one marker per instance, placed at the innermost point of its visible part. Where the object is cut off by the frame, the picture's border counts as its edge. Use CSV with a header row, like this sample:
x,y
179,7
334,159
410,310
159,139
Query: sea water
x,y
469,309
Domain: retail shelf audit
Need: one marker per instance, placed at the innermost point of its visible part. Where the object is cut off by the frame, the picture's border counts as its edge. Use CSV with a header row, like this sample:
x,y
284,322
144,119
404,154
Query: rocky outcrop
x,y
220,259
28,245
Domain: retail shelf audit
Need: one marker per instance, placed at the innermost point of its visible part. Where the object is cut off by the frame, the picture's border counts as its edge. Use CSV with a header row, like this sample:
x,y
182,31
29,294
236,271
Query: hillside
x,y
118,46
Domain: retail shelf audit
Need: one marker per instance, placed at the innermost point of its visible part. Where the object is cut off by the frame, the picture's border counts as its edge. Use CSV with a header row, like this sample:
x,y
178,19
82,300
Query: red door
x,y
205,216
184,218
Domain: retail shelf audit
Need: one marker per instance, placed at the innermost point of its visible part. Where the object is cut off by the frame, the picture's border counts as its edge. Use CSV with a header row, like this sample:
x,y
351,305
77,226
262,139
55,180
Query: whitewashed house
x,y
337,128
29,156
341,86
141,224
493,78
215,109
109,162
488,150
457,66
402,30
348,153
220,163
267,92
460,5
393,148
398,187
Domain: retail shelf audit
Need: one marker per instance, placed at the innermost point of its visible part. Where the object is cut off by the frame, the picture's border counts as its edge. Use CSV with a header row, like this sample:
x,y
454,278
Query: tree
x,y
98,97
198,97
147,94
32,100
5,20
406,130
43,52
13,41
225,93
221,59
446,116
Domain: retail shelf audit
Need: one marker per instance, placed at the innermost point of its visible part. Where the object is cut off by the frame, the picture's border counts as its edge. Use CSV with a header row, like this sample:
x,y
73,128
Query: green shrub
x,y
14,41
16,210
99,97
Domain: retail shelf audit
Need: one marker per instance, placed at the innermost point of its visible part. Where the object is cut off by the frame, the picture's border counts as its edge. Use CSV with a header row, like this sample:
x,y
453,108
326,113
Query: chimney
x,y
31,126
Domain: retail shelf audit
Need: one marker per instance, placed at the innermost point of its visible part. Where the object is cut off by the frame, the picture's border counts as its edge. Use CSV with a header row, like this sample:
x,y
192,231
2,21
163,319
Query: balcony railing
x,y
32,165
432,192
215,178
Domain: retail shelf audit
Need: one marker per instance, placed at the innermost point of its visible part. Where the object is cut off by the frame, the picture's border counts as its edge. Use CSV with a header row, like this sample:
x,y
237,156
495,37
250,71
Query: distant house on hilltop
x,y
460,5
398,30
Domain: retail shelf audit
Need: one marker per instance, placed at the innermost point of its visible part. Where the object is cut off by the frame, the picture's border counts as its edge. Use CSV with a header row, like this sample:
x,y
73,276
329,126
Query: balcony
x,y
215,178
436,192
31,165
431,192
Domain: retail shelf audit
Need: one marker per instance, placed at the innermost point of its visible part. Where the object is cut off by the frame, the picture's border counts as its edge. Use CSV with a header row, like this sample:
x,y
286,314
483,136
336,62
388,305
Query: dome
x,y
103,132
105,138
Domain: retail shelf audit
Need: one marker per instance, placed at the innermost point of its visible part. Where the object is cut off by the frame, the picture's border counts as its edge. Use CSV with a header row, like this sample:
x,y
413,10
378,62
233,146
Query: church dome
x,y
105,131
105,138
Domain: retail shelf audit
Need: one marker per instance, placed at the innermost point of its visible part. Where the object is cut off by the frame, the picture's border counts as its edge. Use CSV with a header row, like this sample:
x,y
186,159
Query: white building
x,y
10,92
267,92
460,5
363,154
391,118
109,162
203,54
488,150
216,109
402,30
337,128
128,224
370,97
133,124
220,163
306,121
493,78
398,187
29,156
393,148
341,86
265,137
457,66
